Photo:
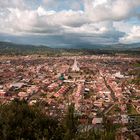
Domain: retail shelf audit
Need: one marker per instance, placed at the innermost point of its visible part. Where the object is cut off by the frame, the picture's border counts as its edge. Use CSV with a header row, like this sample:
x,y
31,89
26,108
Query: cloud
x,y
110,9
23,21
100,10
132,37
123,26
17,21
12,3
90,21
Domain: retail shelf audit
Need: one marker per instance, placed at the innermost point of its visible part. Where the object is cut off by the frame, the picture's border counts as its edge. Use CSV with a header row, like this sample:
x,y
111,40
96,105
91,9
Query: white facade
x,y
75,66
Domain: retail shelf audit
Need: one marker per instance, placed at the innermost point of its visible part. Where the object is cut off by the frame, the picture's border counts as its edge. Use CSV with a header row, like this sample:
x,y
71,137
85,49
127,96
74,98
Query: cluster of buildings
x,y
97,85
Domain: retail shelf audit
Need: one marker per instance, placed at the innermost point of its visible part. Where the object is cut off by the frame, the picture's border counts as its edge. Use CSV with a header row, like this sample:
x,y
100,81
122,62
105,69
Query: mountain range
x,y
19,49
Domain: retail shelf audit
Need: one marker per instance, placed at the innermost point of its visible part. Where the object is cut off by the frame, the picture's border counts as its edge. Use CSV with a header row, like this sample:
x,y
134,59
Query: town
x,y
97,85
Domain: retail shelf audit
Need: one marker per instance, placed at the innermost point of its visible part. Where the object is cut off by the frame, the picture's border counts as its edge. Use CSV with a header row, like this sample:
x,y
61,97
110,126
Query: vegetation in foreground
x,y
20,121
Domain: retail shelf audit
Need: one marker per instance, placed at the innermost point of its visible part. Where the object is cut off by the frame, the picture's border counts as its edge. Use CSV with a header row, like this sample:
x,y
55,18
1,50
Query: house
x,y
18,85
124,119
23,95
119,75
2,93
1,86
98,103
97,121
32,102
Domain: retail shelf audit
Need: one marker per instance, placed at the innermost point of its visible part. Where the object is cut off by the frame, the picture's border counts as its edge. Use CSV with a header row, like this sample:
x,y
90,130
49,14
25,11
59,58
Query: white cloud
x,y
12,3
35,21
99,2
123,26
100,10
132,37
41,11
92,28
96,20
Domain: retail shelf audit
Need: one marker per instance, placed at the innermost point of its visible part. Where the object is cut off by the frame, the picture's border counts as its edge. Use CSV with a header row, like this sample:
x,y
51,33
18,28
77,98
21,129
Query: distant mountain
x,y
8,48
20,49
9,45
111,46
124,46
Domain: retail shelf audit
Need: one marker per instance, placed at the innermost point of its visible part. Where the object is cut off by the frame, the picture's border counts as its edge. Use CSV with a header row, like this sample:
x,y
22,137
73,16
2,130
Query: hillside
x,y
8,48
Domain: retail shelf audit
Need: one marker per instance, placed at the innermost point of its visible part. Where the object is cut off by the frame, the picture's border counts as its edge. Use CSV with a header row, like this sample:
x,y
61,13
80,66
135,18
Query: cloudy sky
x,y
63,23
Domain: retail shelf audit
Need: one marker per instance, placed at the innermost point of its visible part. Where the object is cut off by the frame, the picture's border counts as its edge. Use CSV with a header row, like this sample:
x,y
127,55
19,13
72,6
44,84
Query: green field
x,y
131,110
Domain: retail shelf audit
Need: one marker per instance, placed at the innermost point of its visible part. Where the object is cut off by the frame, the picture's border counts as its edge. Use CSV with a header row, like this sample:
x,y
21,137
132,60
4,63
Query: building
x,y
97,121
75,66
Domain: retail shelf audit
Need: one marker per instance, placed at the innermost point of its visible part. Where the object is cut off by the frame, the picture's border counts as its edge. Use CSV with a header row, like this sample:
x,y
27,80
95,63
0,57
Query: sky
x,y
65,23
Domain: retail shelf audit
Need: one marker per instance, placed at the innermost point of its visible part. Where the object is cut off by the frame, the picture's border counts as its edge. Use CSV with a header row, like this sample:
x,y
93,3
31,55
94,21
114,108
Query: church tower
x,y
75,66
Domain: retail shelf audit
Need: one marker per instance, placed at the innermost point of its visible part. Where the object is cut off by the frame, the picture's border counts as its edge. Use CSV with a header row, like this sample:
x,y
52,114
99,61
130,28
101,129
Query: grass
x,y
137,65
131,110
114,111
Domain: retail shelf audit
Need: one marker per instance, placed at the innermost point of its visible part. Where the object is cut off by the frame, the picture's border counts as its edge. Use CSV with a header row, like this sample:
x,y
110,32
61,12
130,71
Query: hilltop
x,y
9,48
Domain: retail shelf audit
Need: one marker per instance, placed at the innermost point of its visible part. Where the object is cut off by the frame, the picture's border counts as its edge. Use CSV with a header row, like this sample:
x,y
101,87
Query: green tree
x,y
109,130
20,121
70,123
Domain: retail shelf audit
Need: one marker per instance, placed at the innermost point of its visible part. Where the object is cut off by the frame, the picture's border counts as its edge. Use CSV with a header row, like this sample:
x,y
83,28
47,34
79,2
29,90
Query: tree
x,y
20,121
70,123
109,130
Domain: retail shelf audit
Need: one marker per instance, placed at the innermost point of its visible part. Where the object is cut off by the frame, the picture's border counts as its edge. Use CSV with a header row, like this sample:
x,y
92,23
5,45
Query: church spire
x,y
75,66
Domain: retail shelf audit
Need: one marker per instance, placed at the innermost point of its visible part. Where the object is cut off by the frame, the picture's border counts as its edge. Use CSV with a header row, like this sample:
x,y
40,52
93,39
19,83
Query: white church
x,y
75,67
